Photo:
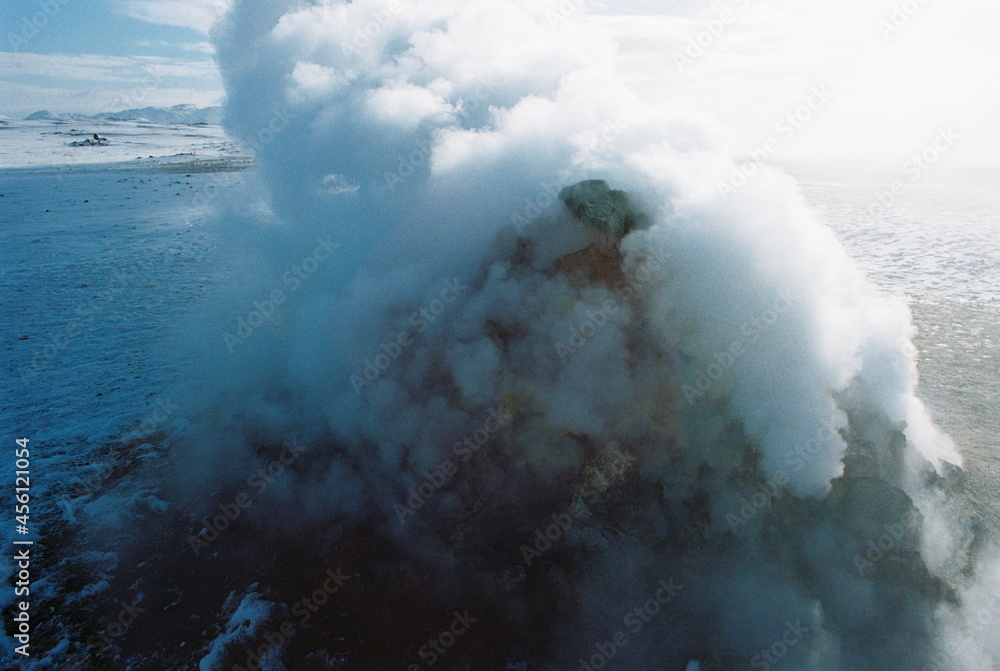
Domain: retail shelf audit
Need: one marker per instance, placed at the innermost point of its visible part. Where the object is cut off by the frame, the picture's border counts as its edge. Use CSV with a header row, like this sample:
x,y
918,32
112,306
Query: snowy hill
x,y
178,114
64,141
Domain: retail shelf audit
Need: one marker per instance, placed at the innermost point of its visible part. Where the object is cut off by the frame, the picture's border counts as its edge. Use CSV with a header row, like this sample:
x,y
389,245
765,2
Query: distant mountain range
x,y
182,114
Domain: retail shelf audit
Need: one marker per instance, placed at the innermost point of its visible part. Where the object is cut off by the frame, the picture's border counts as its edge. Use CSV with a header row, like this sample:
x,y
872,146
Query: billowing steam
x,y
688,440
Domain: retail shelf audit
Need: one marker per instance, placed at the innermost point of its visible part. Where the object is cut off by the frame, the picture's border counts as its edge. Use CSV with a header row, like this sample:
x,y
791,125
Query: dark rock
x,y
593,265
610,211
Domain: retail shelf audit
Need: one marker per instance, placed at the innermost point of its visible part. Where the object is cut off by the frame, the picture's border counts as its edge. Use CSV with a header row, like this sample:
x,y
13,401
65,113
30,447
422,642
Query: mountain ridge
x,y
178,114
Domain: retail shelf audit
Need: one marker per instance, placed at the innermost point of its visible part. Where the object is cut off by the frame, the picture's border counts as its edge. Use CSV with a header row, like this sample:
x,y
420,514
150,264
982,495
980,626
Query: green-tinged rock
x,y
610,211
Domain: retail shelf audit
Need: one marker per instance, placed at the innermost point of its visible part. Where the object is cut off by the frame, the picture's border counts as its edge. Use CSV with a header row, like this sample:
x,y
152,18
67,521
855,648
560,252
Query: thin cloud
x,y
201,47
750,72
195,14
90,67
91,83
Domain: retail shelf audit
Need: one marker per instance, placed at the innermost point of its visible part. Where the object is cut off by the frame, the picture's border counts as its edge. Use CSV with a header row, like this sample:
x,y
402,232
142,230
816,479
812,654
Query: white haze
x,y
494,107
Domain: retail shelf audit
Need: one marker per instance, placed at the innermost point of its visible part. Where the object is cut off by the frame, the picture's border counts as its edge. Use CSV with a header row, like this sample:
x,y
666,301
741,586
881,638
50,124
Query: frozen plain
x,y
105,250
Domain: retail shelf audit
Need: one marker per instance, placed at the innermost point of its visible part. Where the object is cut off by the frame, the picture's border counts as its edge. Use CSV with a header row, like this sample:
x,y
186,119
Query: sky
x,y
885,76
106,55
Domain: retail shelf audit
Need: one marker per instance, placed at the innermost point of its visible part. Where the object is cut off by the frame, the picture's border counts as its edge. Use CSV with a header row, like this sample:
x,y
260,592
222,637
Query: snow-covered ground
x,y
937,241
47,143
101,254
103,250
96,262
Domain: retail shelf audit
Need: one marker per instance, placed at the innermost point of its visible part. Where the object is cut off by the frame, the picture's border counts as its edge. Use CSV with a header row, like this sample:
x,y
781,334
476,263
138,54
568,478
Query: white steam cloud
x,y
448,378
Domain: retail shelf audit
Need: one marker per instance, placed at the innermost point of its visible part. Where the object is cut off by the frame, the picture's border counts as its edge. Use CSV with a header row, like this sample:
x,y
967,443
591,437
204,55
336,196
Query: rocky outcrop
x,y
593,265
609,211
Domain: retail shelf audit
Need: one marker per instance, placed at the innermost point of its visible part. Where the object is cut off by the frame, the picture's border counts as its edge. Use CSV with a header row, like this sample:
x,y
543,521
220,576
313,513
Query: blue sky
x,y
896,76
106,55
